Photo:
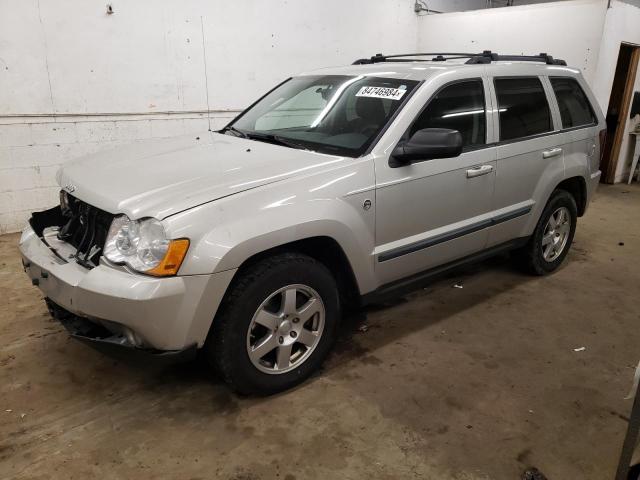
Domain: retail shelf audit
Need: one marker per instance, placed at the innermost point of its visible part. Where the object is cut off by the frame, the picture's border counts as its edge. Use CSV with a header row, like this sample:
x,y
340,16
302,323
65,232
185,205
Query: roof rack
x,y
485,57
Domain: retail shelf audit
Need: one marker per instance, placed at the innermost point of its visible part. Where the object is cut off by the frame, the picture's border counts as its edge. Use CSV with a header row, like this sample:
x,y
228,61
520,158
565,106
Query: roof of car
x,y
422,70
420,66
406,70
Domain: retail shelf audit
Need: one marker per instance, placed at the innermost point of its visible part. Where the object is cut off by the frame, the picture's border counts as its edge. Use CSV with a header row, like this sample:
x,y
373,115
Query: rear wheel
x,y
276,325
552,238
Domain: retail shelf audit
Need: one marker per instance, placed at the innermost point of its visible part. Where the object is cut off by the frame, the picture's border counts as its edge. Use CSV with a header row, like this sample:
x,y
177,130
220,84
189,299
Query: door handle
x,y
554,152
481,170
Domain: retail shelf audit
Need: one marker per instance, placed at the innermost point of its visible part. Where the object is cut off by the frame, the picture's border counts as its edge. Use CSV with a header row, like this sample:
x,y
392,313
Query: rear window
x,y
575,109
523,108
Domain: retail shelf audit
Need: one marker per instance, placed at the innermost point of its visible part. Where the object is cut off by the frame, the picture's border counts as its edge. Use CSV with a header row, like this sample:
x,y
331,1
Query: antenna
x,y
206,80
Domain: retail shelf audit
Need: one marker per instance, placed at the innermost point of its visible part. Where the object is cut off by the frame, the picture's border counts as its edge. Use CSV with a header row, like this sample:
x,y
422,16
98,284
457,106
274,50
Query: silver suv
x,y
338,187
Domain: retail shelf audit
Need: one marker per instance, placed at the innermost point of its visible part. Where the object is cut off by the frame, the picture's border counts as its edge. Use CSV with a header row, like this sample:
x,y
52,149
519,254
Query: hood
x,y
161,177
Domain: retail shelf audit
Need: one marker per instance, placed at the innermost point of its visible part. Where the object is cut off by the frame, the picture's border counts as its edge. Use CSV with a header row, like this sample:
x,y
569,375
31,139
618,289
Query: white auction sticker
x,y
381,92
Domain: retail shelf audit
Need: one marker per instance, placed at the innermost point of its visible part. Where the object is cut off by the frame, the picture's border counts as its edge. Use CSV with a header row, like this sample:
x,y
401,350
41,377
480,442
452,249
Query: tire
x,y
534,257
258,297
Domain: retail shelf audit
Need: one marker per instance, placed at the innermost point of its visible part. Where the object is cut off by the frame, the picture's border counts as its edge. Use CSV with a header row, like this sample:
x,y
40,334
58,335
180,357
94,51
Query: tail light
x,y
602,136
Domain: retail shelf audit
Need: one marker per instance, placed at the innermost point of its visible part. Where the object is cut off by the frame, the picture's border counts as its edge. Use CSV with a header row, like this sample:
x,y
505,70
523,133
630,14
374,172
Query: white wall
x,y
622,25
74,80
585,33
571,30
69,56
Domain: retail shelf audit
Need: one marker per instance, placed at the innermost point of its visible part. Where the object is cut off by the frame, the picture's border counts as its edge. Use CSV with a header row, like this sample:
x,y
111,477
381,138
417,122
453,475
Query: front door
x,y
435,211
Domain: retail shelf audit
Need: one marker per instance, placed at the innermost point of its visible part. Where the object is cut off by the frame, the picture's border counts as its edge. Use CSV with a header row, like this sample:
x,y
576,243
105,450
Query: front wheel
x,y
276,325
552,238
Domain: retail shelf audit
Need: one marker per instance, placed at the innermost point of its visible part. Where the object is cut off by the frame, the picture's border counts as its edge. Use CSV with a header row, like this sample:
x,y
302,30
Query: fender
x,y
226,232
575,164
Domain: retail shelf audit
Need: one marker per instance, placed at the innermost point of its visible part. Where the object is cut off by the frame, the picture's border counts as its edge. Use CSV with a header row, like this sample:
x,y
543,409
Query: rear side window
x,y
523,108
575,109
459,106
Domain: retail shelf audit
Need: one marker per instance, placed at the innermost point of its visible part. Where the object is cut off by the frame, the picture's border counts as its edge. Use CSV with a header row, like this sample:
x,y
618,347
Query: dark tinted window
x,y
575,109
459,106
523,107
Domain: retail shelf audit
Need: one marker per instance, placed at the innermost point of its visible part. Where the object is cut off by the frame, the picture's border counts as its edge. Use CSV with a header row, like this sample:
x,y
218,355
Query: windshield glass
x,y
334,114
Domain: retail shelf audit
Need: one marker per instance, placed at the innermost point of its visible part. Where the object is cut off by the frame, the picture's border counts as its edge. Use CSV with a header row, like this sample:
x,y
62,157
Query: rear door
x,y
529,153
579,124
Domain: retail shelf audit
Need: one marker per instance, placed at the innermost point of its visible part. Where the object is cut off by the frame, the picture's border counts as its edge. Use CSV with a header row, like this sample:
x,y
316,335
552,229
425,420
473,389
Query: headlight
x,y
144,246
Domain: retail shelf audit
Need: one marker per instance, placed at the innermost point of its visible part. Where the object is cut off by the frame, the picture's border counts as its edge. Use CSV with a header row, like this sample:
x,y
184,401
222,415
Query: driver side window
x,y
459,106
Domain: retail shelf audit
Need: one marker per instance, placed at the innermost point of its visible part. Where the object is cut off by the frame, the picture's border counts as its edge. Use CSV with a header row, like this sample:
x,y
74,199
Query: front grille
x,y
85,227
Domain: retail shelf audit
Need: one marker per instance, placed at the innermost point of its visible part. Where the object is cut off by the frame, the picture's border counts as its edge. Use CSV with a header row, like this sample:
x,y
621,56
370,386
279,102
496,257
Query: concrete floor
x,y
449,383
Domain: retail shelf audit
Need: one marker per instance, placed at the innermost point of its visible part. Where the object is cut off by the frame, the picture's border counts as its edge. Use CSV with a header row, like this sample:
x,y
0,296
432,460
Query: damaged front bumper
x,y
170,314
116,345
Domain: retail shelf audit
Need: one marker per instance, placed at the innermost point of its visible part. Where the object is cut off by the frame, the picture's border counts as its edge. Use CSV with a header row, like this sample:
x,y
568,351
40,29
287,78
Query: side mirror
x,y
427,144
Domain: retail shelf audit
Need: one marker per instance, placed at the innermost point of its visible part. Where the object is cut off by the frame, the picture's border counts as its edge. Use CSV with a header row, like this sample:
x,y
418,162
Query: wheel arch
x,y
577,187
323,249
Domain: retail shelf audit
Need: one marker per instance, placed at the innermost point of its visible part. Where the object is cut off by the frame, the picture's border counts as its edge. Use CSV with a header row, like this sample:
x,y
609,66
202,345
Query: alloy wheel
x,y
285,329
556,234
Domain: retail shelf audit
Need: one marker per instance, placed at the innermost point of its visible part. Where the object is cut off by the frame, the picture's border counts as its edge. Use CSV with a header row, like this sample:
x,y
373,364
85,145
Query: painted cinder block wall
x,y
32,150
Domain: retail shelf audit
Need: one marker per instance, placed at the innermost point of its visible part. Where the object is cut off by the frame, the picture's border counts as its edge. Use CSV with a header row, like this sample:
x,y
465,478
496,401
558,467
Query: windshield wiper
x,y
265,137
276,140
233,129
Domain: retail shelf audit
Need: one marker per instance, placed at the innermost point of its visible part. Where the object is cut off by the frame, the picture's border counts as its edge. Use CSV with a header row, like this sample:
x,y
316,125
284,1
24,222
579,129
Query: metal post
x,y
630,439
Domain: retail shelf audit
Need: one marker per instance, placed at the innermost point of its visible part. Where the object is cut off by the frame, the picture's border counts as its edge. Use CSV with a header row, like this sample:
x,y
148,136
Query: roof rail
x,y
405,57
488,56
485,57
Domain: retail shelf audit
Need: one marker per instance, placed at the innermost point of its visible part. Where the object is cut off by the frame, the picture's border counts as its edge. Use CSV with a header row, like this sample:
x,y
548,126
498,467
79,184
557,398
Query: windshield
x,y
334,114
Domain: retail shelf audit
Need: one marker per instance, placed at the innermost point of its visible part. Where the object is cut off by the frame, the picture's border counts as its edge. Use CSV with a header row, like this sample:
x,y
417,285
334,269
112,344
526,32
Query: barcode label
x,y
381,92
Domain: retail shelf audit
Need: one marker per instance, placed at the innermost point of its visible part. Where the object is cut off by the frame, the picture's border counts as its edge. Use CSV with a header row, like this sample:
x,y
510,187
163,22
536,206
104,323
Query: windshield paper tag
x,y
381,92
